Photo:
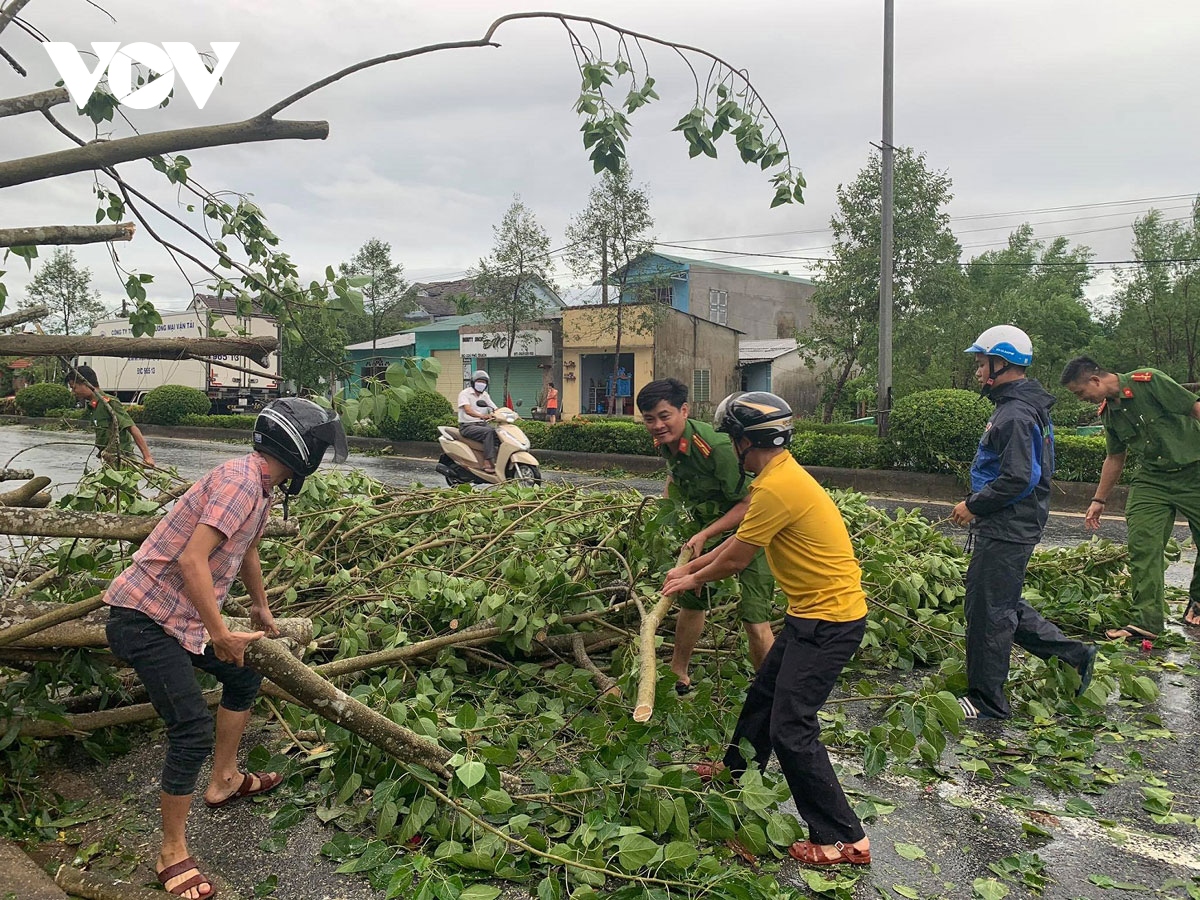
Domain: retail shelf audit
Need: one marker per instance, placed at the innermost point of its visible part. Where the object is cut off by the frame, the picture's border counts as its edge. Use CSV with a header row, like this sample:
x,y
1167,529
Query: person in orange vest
x,y
552,404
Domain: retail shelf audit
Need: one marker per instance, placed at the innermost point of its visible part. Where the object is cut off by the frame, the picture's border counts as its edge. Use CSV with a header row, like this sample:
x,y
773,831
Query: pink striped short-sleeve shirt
x,y
235,499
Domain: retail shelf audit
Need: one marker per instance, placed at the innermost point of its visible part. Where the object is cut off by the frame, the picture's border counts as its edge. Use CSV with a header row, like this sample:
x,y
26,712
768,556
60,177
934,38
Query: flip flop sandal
x,y
810,854
684,689
195,881
1193,609
267,781
1133,633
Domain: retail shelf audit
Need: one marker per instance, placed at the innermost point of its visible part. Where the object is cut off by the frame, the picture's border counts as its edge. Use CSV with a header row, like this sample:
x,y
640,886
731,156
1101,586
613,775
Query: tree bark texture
x,y
257,348
57,235
69,523
105,154
15,474
28,314
15,106
648,663
32,494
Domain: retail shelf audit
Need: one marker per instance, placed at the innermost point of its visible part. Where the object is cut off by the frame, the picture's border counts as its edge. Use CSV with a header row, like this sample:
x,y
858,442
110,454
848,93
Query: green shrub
x,y
136,411
1069,412
834,427
535,430
36,399
582,435
938,431
242,422
167,404
418,419
845,451
69,412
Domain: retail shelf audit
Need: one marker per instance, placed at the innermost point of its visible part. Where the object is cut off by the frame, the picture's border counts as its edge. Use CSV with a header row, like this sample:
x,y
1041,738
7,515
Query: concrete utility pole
x,y
884,399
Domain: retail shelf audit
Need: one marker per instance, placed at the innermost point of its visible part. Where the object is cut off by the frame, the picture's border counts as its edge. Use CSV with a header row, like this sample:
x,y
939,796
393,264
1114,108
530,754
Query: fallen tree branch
x,y
648,664
94,886
69,523
57,235
605,683
67,613
256,348
28,314
103,154
479,633
15,474
85,723
32,494
36,102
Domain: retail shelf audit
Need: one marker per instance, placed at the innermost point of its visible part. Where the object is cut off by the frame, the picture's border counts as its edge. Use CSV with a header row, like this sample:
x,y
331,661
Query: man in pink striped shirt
x,y
165,618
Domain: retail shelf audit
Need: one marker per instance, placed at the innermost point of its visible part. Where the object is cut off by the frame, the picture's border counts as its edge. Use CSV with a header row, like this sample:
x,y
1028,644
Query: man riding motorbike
x,y
475,408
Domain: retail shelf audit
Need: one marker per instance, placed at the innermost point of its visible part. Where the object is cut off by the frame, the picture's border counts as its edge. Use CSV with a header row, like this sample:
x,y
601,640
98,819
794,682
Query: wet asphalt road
x,y
960,839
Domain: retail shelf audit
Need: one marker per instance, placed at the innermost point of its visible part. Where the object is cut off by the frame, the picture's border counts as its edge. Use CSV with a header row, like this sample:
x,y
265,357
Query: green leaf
x,y
989,889
910,851
480,892
471,773
905,891
680,855
634,851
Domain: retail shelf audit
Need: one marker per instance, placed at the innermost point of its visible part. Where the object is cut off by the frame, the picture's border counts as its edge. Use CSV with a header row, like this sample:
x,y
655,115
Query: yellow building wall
x,y
450,379
596,327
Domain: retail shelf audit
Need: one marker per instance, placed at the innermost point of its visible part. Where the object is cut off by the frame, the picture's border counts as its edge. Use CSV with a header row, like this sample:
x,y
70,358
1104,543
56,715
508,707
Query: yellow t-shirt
x,y
808,547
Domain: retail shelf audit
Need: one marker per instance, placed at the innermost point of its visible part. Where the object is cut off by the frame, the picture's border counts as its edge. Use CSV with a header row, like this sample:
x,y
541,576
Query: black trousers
x,y
484,434
168,672
780,714
997,617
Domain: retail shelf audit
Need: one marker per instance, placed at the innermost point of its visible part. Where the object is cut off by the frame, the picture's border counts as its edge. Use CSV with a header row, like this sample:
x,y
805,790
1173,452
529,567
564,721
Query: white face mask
x,y
480,387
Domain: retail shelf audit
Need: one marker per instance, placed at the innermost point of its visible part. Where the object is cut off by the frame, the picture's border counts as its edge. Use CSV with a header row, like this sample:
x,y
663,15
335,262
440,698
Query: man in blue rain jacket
x,y
1007,512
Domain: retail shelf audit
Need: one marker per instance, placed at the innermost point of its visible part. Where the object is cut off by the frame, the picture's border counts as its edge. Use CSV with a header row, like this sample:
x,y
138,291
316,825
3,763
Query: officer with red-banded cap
x,y
1146,411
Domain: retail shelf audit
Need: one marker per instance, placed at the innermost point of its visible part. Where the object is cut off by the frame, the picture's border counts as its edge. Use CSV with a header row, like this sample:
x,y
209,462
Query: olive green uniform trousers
x,y
1155,500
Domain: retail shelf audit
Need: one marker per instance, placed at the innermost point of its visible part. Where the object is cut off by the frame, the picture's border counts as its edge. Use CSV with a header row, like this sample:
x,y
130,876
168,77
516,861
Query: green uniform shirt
x,y
1152,415
704,470
106,413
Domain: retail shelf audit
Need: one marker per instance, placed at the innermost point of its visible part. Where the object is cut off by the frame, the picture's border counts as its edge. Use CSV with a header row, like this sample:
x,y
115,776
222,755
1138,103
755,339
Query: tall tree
x,y
384,292
509,282
603,241
1156,315
313,343
845,326
66,287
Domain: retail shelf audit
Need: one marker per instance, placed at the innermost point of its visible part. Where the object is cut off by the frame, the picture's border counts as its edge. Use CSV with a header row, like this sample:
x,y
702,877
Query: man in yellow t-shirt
x,y
810,555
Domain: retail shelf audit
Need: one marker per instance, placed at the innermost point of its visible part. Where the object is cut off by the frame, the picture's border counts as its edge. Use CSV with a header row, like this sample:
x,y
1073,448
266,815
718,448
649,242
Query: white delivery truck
x,y
230,390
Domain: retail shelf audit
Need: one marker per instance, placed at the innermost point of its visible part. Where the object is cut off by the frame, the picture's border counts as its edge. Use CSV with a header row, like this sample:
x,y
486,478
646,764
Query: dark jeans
x,y
483,434
780,714
168,673
997,616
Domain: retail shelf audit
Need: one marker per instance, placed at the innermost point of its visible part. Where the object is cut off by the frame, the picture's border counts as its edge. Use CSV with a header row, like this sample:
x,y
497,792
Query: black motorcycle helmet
x,y
297,433
764,419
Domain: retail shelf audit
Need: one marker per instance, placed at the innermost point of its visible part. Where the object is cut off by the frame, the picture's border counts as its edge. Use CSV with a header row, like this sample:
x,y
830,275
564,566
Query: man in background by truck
x,y
116,432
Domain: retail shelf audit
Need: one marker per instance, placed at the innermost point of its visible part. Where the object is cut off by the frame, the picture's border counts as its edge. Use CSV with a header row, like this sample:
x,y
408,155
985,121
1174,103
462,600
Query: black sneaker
x,y
1085,671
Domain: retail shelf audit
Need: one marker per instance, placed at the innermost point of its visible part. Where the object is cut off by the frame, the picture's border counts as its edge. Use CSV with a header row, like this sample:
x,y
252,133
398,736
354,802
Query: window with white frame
x,y
701,385
718,306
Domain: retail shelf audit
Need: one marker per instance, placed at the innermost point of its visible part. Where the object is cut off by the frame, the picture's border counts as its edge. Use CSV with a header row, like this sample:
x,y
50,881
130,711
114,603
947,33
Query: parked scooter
x,y
462,460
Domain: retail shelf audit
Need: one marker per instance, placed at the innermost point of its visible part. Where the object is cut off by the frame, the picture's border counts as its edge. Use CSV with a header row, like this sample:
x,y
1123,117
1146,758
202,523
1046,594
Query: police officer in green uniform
x,y
116,432
1145,410
706,477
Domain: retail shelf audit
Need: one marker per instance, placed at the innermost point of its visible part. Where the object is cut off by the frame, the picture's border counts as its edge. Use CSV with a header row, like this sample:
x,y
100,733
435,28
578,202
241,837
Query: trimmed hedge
x,y
843,451
167,404
934,430
582,435
418,418
1069,412
835,428
242,422
69,412
36,399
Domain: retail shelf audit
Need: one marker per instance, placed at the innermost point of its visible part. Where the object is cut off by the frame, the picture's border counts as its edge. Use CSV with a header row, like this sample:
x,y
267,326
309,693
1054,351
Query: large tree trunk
x,y
257,348
69,523
28,314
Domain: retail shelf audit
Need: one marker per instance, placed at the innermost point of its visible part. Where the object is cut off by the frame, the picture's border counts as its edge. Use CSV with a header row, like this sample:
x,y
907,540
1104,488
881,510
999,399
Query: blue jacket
x,y
1010,478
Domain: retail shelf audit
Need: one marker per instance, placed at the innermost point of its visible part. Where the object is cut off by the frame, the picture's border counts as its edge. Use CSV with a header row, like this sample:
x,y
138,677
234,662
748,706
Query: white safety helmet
x,y
1008,342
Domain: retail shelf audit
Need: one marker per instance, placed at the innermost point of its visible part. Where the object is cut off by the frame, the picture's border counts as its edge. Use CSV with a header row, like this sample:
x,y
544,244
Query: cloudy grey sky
x,y
1028,104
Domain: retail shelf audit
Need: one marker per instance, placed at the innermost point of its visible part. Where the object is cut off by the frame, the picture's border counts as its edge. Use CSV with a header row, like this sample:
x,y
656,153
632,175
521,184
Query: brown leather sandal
x,y
708,770
181,867
267,781
810,854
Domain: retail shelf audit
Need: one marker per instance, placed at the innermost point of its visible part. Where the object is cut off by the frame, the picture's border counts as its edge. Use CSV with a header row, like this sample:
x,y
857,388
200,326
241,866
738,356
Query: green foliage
x,y
37,399
167,404
69,412
938,431
236,421
847,451
812,425
385,299
583,435
1070,412
417,418
383,398
66,287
